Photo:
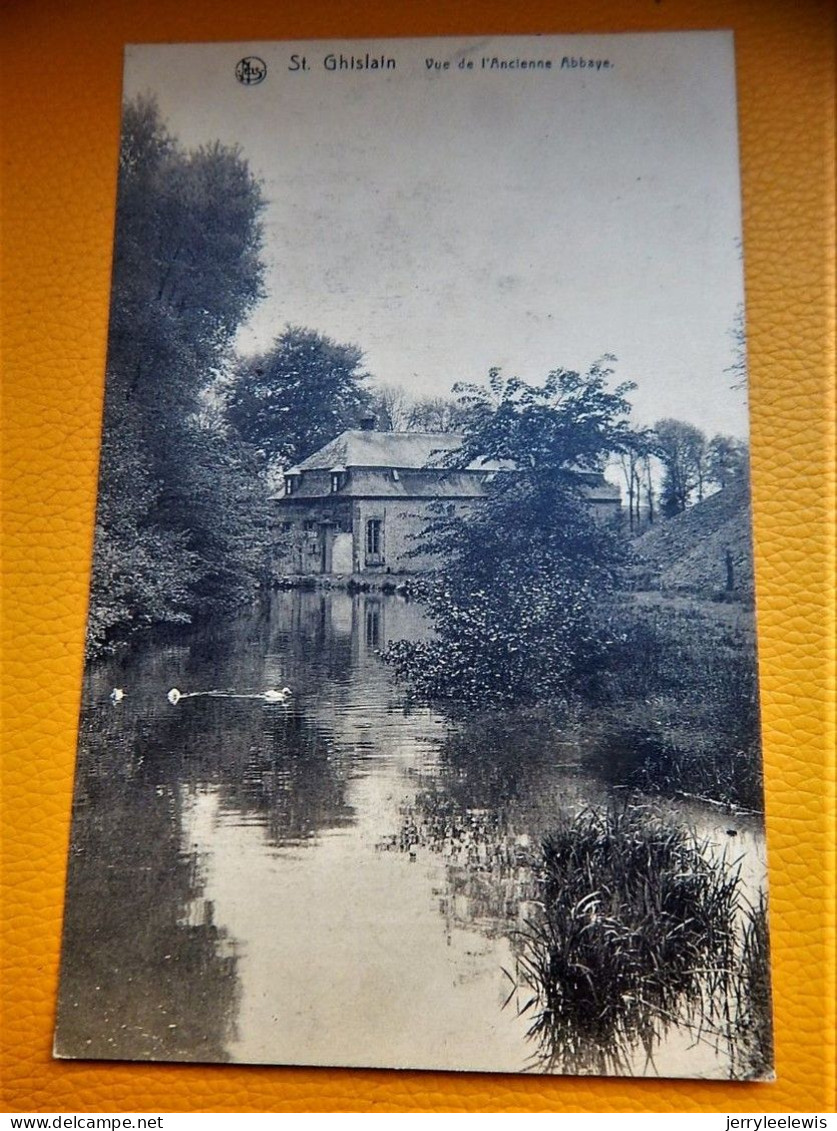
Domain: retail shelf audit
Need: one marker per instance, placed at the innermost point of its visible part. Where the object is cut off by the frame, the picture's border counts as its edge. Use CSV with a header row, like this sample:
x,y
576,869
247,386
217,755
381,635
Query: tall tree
x,y
392,407
738,336
437,414
681,449
514,599
636,449
726,459
647,483
186,272
186,266
299,395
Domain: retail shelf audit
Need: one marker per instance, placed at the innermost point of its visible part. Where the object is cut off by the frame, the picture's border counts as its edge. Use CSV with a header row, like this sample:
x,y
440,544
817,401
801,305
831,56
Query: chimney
x,y
368,422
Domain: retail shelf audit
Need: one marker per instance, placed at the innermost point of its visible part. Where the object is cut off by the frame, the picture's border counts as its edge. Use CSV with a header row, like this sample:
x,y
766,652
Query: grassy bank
x,y
678,695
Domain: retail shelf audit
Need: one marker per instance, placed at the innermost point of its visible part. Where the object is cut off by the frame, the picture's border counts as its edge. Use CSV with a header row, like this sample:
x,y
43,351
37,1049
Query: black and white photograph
x,y
420,718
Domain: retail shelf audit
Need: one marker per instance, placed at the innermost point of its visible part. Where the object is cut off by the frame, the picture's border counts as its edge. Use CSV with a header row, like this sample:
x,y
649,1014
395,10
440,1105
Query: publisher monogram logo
x,y
251,70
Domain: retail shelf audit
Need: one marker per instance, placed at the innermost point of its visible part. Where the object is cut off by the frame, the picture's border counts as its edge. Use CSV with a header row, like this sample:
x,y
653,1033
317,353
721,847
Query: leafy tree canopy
x,y
572,422
187,267
727,459
396,411
437,414
681,449
299,395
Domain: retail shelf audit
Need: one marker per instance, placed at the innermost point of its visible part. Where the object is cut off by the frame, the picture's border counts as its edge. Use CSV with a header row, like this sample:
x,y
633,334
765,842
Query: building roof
x,y
379,483
413,483
399,450
406,465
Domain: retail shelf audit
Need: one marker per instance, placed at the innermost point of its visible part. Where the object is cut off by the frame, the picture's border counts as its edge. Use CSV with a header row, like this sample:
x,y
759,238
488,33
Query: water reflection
x,y
339,879
147,973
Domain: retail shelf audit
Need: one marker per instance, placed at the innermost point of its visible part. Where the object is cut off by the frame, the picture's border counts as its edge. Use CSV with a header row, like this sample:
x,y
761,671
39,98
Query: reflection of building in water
x,y
326,645
373,625
377,620
360,504
339,628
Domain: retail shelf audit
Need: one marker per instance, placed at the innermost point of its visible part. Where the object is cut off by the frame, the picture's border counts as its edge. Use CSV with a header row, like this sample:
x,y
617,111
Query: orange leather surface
x,y
61,77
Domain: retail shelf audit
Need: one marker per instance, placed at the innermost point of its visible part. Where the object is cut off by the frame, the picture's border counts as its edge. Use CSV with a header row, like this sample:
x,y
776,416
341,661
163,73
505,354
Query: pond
x,y
341,878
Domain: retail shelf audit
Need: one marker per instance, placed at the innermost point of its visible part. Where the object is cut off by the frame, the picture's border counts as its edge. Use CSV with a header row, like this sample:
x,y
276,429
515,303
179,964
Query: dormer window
x,y
292,479
338,478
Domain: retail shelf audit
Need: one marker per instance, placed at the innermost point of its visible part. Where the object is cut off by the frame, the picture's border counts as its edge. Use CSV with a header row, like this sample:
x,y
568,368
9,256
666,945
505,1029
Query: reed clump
x,y
637,933
753,997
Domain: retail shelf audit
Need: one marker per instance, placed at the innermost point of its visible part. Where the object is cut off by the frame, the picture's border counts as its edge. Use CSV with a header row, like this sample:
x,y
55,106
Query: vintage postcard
x,y
420,720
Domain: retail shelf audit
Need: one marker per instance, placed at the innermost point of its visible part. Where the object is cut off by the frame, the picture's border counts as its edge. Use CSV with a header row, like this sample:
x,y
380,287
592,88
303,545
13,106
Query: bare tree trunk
x,y
637,497
649,492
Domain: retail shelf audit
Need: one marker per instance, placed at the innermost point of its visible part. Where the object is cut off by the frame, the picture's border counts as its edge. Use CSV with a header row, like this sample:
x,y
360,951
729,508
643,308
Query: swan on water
x,y
273,696
270,696
117,695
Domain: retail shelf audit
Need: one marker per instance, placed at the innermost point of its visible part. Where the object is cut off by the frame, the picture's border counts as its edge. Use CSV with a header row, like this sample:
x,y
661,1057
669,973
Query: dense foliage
x,y
514,601
179,521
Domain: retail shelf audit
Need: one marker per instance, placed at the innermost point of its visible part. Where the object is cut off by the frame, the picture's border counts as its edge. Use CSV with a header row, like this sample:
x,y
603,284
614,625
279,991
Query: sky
x,y
451,220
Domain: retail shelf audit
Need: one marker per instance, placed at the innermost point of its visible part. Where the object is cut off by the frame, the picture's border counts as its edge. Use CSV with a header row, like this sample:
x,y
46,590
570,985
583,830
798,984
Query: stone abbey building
x,y
358,505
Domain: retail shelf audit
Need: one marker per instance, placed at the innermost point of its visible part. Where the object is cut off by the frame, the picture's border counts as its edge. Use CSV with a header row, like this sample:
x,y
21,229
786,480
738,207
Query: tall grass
x,y
753,996
639,931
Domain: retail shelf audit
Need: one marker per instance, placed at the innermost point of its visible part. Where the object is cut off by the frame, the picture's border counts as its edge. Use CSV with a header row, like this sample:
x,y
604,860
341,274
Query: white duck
x,y
117,695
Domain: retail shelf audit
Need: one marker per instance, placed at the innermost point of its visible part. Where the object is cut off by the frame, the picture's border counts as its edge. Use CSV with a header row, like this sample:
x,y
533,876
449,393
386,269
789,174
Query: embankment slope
x,y
689,552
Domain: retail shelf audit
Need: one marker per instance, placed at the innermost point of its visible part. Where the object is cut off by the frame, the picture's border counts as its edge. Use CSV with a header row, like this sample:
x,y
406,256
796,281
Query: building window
x,y
373,538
